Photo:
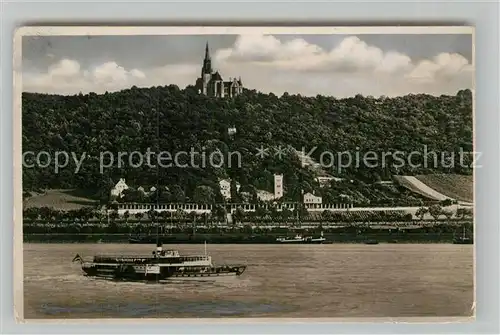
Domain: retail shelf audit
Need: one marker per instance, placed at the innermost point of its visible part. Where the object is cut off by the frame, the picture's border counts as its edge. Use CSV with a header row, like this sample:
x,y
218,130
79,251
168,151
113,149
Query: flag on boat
x,y
77,258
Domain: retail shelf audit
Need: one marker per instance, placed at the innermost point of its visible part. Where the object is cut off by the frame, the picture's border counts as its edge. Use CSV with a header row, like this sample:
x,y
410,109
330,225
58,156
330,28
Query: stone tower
x,y
278,186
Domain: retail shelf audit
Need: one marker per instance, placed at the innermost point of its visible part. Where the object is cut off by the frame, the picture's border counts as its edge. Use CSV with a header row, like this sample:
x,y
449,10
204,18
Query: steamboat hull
x,y
135,273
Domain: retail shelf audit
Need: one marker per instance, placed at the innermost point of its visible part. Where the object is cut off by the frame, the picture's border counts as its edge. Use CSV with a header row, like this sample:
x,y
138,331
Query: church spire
x,y
207,62
207,52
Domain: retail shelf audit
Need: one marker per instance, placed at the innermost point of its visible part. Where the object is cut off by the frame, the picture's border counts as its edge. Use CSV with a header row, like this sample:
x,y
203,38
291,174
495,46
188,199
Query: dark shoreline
x,y
413,238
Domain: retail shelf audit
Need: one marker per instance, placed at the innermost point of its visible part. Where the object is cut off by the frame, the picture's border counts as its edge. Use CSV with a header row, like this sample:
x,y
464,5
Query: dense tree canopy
x,y
173,120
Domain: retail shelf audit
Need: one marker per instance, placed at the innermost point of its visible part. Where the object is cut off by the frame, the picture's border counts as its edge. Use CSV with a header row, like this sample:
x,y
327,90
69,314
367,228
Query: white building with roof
x,y
265,195
118,189
326,179
310,198
225,188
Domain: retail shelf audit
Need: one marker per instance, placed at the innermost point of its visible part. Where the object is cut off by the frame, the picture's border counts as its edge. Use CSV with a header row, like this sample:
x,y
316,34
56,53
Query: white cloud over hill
x,y
268,64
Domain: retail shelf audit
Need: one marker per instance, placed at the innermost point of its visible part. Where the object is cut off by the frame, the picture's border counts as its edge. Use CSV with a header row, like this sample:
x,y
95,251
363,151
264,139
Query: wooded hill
x,y
170,119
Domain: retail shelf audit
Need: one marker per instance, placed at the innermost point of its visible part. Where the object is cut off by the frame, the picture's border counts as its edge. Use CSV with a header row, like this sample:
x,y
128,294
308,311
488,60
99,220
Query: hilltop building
x,y
231,131
265,195
310,198
143,190
325,180
278,190
225,188
120,186
211,83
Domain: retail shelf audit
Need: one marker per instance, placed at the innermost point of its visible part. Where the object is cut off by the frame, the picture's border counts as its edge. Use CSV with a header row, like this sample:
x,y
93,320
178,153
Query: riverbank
x,y
236,238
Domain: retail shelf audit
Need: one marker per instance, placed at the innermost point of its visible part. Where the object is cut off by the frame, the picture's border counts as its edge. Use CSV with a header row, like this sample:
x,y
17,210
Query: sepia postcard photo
x,y
244,173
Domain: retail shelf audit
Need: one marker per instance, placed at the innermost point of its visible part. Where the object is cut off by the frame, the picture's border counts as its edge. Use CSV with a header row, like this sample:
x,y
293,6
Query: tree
x,y
26,196
46,213
446,202
152,215
468,212
104,189
326,215
31,213
180,215
246,197
218,211
239,215
101,215
133,195
192,216
463,212
178,194
261,212
85,214
273,212
435,211
163,216
420,213
286,214
112,226
408,217
204,218
113,215
93,123
113,205
164,194
204,195
248,193
234,192
126,215
447,213
303,212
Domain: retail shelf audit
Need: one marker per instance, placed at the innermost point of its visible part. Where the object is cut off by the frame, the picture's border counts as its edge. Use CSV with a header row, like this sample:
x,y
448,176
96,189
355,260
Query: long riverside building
x,y
133,208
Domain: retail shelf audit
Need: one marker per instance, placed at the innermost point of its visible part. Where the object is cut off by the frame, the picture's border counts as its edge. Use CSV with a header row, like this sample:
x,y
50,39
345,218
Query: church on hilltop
x,y
211,83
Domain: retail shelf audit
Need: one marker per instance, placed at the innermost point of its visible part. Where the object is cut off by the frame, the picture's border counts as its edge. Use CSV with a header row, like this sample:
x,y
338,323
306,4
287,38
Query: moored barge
x,y
302,239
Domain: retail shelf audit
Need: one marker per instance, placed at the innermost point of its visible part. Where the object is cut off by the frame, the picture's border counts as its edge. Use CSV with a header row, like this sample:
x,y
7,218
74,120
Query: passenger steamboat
x,y
162,265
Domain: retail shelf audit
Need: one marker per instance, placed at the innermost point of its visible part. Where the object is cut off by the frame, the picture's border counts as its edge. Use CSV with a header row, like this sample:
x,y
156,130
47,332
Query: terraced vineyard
x,y
417,186
59,199
460,187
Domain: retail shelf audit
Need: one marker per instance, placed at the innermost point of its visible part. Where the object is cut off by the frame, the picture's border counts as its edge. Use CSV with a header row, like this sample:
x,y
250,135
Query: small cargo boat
x,y
162,265
302,239
464,239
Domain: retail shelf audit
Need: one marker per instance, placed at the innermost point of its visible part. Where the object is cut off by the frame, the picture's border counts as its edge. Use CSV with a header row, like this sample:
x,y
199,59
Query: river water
x,y
331,280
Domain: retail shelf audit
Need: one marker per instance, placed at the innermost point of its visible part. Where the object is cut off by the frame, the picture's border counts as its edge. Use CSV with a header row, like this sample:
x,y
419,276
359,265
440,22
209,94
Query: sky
x,y
328,64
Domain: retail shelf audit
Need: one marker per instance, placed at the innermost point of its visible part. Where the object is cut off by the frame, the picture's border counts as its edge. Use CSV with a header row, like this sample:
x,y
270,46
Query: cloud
x,y
67,77
349,68
268,64
350,55
444,66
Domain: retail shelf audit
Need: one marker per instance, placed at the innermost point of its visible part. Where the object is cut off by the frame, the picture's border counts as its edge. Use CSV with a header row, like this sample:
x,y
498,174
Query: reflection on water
x,y
280,281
